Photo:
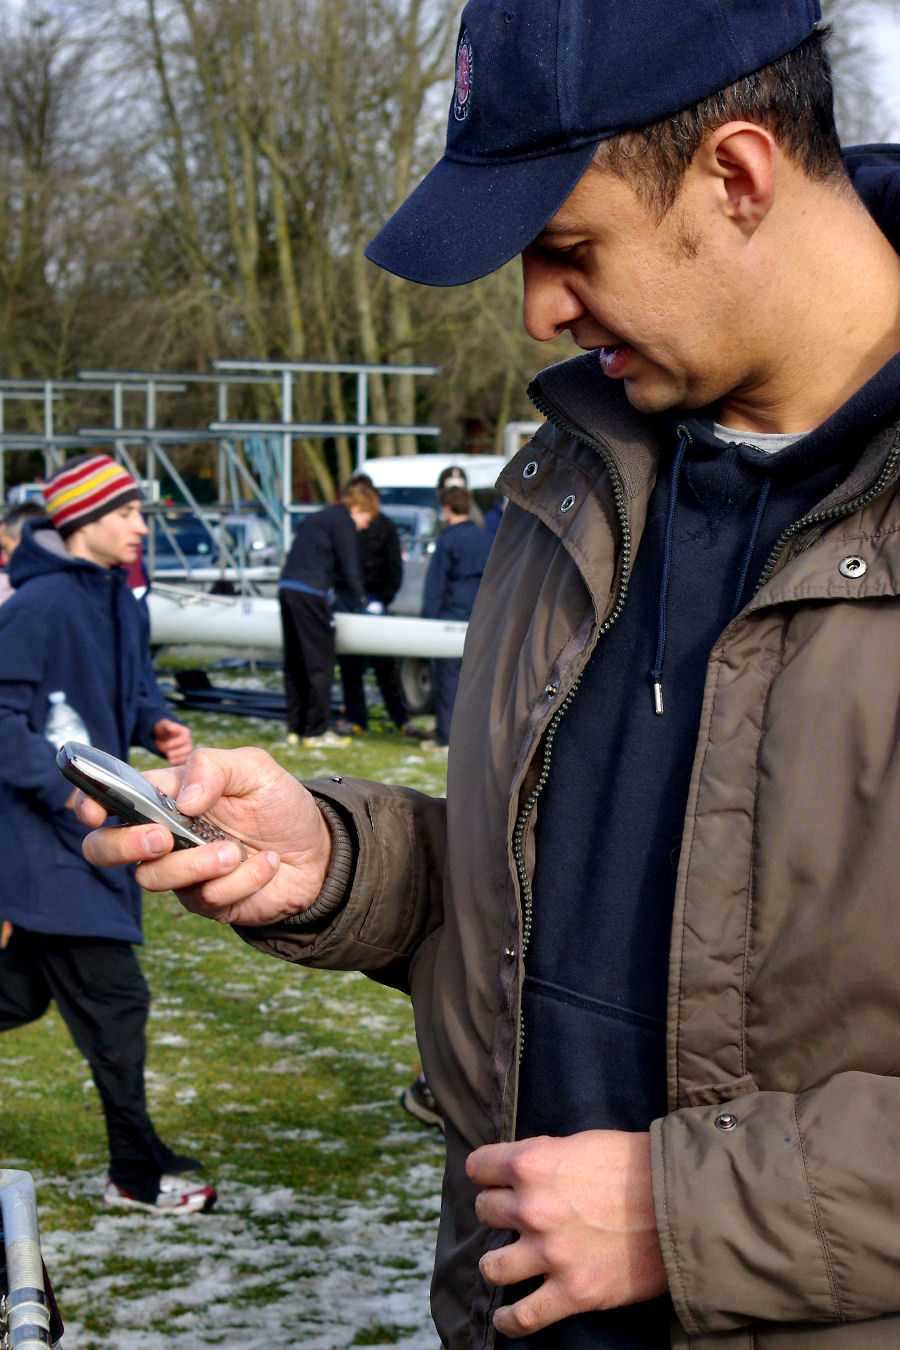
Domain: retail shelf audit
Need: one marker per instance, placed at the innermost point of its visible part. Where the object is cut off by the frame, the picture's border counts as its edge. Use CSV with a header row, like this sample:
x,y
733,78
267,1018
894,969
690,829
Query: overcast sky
x,y
886,28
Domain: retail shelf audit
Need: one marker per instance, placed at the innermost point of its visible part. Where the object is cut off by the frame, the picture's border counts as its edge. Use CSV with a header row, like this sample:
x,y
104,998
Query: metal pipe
x,y
362,413
324,430
263,368
27,1309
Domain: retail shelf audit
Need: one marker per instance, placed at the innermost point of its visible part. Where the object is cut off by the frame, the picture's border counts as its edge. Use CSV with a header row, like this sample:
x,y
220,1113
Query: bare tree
x,y
39,79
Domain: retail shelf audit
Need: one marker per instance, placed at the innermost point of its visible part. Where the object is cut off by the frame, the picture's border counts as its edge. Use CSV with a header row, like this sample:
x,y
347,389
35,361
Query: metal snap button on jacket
x,y
726,1121
854,566
530,469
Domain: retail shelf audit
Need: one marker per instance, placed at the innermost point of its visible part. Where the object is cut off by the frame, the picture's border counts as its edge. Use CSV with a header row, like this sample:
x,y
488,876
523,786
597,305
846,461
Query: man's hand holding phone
x,y
249,796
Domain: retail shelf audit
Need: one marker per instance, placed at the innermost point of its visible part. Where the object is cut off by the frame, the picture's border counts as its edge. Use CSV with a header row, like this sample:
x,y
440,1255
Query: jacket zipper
x,y
833,513
518,838
527,808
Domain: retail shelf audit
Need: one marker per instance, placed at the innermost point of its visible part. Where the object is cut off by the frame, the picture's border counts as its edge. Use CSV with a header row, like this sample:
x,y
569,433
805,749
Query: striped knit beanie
x,y
86,488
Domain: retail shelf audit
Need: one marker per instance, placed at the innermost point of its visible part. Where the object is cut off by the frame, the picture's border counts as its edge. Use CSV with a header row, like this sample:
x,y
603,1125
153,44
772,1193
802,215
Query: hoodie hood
x,y
875,173
41,551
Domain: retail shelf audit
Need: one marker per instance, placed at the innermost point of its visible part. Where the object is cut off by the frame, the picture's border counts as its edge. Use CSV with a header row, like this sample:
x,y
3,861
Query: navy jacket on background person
x,y
451,583
74,626
454,571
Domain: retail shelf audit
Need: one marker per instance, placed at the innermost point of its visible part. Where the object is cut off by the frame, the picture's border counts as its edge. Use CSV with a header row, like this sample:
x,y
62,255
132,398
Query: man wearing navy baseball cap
x,y
652,936
539,85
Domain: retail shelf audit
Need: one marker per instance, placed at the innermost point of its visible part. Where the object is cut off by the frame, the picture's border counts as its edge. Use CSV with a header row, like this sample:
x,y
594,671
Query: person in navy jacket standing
x,y
451,583
75,664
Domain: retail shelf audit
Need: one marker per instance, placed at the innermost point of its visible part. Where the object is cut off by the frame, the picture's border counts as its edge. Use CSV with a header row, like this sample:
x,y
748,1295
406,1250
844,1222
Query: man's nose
x,y
549,306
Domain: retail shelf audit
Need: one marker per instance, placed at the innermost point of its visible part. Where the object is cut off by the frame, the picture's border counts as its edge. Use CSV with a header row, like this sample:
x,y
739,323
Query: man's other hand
x,y
583,1209
172,739
252,799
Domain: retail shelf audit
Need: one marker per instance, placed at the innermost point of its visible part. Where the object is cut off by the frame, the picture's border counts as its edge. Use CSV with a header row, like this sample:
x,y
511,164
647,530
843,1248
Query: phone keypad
x,y
203,830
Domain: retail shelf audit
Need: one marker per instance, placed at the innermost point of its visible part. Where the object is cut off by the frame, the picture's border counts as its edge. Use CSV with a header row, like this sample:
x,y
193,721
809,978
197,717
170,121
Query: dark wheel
x,y
415,680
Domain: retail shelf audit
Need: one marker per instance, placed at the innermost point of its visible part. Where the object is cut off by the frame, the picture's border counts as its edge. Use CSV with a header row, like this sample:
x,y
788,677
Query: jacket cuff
x,y
740,1233
338,878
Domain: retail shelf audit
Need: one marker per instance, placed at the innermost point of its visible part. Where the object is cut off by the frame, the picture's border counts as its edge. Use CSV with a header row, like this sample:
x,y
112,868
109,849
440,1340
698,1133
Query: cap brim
x,y
466,220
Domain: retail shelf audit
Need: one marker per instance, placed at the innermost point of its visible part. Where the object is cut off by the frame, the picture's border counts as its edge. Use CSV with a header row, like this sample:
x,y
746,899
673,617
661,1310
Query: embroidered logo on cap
x,y
463,78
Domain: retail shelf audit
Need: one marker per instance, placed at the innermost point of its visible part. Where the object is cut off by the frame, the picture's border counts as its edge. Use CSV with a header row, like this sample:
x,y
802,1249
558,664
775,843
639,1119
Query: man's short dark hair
x,y
792,97
456,499
359,480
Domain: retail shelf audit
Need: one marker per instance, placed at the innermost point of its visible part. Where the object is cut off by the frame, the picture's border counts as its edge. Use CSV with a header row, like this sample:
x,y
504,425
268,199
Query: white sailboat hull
x,y
193,618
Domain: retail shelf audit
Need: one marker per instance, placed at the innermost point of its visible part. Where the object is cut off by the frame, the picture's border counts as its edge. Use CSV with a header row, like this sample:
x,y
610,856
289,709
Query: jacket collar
x,y
576,478
588,473
579,399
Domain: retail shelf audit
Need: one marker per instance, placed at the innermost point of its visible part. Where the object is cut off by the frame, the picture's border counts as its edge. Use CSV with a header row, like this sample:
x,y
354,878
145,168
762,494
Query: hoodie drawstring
x,y
677,461
656,668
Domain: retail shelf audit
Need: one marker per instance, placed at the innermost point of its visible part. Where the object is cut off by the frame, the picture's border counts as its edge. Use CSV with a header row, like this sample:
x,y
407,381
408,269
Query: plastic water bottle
x,y
63,722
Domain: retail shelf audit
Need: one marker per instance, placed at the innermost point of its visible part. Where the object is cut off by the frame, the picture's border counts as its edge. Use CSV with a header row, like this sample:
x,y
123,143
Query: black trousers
x,y
353,668
308,632
444,684
103,998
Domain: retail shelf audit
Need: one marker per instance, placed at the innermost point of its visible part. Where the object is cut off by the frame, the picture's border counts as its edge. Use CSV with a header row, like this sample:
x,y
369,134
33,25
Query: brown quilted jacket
x,y
777,1169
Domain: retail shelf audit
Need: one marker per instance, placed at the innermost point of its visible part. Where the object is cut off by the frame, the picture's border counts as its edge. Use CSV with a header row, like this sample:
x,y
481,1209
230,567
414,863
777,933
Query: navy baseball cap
x,y
539,84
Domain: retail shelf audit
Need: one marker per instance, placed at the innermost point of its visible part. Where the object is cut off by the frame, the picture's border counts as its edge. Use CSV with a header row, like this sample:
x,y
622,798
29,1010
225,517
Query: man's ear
x,y
741,159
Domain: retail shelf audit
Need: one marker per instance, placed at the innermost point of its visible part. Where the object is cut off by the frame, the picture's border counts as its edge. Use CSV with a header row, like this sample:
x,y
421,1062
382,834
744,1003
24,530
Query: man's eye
x,y
563,254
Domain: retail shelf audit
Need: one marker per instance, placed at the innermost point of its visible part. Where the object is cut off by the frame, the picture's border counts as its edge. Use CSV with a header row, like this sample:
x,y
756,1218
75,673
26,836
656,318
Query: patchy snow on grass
x,y
235,1038
266,1268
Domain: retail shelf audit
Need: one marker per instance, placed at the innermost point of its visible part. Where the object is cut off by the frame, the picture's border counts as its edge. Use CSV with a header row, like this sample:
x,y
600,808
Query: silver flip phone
x,y
126,793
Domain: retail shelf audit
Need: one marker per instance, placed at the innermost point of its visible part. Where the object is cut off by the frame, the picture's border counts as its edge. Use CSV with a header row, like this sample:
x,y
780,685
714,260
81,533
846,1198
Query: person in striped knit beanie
x,y
75,649
85,489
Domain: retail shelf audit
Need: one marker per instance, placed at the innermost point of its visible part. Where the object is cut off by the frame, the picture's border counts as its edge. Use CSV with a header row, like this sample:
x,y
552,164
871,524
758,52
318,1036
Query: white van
x,y
411,480
407,487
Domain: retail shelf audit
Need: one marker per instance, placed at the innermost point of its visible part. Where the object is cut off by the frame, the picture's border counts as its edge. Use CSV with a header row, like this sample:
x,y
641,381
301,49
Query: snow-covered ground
x,y
264,1269
284,1081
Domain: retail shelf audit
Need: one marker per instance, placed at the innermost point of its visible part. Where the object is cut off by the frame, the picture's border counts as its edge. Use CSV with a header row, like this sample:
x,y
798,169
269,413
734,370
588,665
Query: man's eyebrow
x,y
552,234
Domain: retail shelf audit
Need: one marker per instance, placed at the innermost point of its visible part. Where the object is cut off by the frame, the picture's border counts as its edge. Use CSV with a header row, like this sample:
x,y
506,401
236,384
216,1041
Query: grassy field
x,y
285,1083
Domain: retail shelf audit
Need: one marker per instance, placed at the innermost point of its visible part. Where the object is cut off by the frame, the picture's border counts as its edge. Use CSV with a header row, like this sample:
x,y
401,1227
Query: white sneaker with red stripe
x,y
174,1197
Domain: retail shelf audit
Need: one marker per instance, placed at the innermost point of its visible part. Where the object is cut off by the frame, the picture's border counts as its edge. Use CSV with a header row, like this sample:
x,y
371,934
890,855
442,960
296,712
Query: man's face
x,y
113,540
656,298
361,519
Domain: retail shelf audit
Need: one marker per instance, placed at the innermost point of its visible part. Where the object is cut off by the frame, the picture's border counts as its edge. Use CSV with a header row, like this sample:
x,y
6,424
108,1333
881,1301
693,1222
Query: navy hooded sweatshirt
x,y
594,1008
77,627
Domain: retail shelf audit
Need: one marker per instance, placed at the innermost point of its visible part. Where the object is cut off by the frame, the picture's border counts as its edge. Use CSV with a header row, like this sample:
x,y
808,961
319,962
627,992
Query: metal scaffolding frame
x,y
147,448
